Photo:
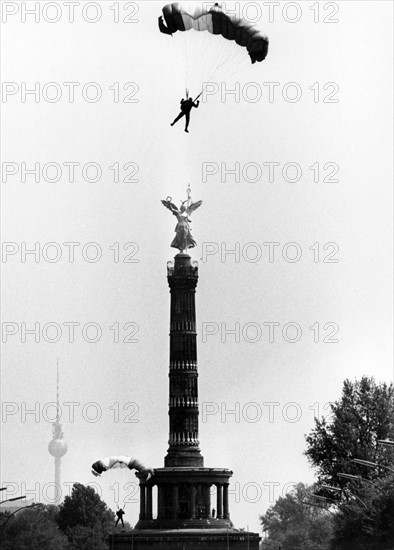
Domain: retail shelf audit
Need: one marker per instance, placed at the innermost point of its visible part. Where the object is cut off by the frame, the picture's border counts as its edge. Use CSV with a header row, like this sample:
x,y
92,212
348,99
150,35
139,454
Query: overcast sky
x,y
321,99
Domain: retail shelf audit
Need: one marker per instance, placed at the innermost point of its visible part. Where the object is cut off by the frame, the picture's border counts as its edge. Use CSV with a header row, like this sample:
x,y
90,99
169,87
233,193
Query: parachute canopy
x,y
179,17
121,461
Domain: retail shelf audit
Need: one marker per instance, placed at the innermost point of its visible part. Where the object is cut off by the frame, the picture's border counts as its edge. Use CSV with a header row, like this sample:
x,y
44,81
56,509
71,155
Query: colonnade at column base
x,y
184,498
187,515
190,539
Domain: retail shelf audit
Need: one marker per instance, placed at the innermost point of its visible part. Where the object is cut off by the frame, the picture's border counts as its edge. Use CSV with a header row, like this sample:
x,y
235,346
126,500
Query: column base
x,y
183,498
184,457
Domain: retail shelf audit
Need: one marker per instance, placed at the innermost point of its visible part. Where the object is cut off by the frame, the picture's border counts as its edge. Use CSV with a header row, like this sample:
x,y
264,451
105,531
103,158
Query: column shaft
x,y
226,513
148,502
207,501
183,403
142,501
160,502
219,501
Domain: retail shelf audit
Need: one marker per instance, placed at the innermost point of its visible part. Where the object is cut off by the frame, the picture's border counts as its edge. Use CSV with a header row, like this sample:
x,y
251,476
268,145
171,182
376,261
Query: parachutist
x,y
120,513
122,461
186,107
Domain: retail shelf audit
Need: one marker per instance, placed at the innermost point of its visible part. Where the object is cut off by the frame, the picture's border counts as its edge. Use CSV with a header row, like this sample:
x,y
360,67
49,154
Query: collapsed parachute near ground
x,y
215,21
122,461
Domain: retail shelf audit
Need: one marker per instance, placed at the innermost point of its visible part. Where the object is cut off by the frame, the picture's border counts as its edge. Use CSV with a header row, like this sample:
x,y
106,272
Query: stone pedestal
x,y
190,539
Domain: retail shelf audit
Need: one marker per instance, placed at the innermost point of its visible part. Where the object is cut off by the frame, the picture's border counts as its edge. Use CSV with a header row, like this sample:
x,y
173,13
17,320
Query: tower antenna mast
x,y
57,391
57,446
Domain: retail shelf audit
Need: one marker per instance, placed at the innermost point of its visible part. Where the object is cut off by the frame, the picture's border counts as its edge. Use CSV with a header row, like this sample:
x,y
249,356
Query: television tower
x,y
57,446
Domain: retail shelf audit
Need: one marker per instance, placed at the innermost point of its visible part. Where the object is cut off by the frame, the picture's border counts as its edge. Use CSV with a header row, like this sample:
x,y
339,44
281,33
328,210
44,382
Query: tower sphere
x,y
57,447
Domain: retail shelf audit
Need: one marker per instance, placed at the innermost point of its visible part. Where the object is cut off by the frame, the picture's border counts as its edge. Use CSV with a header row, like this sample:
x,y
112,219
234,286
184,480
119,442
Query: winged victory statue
x,y
183,238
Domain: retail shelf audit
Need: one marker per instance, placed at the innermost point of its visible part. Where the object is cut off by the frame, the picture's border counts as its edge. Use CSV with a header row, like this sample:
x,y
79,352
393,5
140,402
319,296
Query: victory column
x,y
184,514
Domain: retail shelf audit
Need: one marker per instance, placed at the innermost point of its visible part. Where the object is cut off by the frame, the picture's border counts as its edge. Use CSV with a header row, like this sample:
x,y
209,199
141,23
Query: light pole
x,y
386,442
370,464
333,499
331,488
12,499
359,478
13,513
323,498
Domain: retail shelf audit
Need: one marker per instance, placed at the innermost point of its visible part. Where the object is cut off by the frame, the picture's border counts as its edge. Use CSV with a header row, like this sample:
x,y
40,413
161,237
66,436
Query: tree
x,y
81,537
85,519
293,523
367,523
32,529
364,414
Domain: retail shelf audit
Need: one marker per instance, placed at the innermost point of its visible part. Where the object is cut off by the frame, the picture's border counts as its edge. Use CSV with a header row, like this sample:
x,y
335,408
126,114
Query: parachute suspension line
x,y
186,65
218,58
185,52
195,45
240,63
223,56
212,74
205,45
230,64
223,59
201,50
218,64
231,56
208,51
199,46
196,55
204,57
239,67
179,59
